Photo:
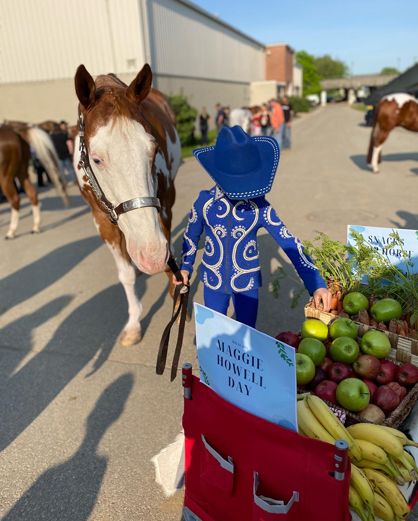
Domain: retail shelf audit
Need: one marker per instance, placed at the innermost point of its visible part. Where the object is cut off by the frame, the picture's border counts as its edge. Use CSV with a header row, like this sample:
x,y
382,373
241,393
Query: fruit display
x,y
348,372
379,463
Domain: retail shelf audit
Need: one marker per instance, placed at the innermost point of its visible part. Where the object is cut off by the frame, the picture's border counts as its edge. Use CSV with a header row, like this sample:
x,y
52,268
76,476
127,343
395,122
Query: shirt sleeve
x,y
192,235
293,248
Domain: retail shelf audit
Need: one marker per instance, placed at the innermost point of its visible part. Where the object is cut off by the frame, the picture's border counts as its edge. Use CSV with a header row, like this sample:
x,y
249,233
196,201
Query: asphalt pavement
x,y
80,415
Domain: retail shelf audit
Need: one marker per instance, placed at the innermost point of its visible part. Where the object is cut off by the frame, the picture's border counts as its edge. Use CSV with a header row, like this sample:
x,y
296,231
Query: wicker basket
x,y
396,417
404,349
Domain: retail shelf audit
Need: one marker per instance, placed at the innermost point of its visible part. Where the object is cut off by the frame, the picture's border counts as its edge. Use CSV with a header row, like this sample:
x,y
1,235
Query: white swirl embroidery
x,y
240,271
192,248
193,215
267,216
219,232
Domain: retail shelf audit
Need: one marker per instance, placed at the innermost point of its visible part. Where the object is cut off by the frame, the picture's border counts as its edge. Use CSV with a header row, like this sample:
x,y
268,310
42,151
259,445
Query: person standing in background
x,y
226,118
256,124
64,147
277,120
288,115
204,121
220,116
265,120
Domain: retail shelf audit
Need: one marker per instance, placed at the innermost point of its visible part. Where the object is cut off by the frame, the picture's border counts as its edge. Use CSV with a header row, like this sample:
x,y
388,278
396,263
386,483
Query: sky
x,y
367,35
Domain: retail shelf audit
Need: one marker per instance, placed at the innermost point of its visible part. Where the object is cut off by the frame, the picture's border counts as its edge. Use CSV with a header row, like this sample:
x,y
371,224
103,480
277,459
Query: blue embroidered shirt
x,y
230,260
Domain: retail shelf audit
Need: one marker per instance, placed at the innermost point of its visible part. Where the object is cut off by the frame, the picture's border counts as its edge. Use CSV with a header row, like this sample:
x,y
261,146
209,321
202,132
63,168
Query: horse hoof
x,y
9,238
35,232
130,338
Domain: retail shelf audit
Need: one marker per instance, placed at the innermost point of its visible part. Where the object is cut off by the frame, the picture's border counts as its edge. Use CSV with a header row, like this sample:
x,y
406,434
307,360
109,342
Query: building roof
x,y
355,82
199,10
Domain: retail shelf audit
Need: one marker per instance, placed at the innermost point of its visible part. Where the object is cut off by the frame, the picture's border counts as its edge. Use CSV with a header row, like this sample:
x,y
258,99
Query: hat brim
x,y
249,185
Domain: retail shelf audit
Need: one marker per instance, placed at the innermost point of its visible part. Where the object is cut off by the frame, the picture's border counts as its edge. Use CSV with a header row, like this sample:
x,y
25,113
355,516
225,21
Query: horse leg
x,y
377,149
9,190
30,190
115,240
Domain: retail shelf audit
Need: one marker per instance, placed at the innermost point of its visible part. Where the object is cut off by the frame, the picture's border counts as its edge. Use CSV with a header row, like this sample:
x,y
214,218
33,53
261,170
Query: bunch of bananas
x,y
379,461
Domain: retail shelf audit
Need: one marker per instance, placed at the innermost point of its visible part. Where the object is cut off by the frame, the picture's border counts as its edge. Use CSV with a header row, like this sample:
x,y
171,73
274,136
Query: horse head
x,y
122,150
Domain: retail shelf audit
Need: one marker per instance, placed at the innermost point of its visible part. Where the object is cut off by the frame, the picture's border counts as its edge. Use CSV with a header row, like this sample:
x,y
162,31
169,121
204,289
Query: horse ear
x,y
84,86
139,89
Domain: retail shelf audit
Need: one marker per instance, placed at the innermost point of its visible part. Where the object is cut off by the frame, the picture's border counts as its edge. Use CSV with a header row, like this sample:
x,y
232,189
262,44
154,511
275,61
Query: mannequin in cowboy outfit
x,y
231,213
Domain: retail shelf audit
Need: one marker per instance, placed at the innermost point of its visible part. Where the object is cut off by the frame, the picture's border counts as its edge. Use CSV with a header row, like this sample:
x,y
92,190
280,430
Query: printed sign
x,y
380,239
252,370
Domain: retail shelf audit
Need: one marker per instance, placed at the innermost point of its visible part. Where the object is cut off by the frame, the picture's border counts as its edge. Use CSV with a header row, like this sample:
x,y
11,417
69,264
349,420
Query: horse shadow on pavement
x,y
35,277
361,160
69,491
410,220
88,333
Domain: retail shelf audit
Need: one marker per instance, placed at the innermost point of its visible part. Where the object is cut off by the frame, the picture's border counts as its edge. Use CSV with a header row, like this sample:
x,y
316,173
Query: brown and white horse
x,y
393,110
134,151
15,141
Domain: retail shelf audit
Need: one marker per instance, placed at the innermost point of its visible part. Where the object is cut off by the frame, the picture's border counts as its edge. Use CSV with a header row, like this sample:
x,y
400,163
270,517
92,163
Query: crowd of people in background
x,y
271,119
274,119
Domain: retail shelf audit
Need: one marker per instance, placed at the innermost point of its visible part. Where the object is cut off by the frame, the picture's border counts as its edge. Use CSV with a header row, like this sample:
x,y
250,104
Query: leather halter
x,y
112,211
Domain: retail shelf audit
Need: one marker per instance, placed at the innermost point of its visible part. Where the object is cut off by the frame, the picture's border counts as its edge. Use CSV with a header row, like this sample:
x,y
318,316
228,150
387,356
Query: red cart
x,y
239,467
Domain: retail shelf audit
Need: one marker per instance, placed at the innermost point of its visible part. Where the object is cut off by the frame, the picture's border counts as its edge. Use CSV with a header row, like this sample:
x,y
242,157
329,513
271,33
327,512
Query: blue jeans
x,y
279,136
245,304
66,164
286,141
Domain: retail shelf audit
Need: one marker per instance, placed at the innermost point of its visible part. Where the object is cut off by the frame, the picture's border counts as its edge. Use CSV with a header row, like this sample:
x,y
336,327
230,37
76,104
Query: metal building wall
x,y
47,39
186,43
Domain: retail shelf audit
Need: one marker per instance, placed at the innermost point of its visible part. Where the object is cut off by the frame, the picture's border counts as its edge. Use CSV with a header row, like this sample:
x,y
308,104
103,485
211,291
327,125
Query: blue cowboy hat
x,y
242,166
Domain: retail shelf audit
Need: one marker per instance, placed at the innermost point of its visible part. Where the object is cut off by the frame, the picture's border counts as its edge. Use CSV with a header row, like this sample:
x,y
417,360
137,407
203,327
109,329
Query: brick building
x,y
281,67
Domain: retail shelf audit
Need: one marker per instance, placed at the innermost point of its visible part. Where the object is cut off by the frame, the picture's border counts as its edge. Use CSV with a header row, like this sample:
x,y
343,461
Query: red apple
x,y
339,371
387,372
400,390
386,398
372,387
327,345
326,364
320,376
372,413
327,390
367,366
407,374
290,338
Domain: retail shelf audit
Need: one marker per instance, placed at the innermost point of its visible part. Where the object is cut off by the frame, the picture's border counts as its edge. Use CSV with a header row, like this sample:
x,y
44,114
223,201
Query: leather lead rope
x,y
181,294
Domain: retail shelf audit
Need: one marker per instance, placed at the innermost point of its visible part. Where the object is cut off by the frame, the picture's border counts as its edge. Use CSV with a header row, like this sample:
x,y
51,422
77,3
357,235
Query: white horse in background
x,y
242,118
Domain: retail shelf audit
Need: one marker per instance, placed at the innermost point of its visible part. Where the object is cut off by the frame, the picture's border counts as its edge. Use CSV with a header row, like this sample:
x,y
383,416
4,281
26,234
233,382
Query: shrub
x,y
299,104
186,117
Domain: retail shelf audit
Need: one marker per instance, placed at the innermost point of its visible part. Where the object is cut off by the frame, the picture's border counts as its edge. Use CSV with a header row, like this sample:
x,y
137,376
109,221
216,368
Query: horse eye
x,y
97,161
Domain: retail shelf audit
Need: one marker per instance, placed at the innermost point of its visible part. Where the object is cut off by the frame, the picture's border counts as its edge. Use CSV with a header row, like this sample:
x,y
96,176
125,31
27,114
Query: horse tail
x,y
374,134
47,155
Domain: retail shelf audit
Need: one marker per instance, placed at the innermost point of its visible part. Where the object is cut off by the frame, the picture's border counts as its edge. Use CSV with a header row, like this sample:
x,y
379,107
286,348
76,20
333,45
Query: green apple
x,y
305,369
344,349
375,343
313,348
353,394
355,301
343,327
385,310
312,328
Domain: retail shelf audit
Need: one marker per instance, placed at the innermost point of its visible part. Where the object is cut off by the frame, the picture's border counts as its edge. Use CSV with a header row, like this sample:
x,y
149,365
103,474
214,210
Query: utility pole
x,y
398,64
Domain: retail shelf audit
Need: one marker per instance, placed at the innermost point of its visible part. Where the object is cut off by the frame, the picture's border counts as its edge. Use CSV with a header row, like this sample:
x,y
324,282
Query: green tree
x,y
328,68
310,74
185,116
389,70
